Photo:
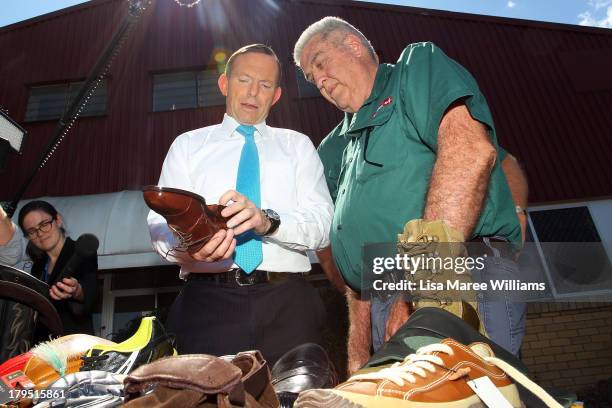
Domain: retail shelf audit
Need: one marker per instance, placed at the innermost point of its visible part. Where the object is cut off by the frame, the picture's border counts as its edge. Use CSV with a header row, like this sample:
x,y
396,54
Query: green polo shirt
x,y
378,161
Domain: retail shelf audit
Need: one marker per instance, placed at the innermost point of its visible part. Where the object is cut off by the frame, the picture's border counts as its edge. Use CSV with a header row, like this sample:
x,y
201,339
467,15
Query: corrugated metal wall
x,y
546,84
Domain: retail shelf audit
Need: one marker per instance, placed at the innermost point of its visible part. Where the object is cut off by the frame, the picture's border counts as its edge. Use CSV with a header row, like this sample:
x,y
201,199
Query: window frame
x,y
67,96
536,240
195,73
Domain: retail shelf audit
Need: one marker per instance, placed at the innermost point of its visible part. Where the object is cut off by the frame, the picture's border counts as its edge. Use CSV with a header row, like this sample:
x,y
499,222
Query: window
x,y
188,89
572,252
50,102
129,294
305,88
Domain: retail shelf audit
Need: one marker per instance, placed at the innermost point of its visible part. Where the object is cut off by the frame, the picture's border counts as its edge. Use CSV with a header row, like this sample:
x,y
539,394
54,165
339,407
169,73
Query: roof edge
x,y
464,16
357,4
54,14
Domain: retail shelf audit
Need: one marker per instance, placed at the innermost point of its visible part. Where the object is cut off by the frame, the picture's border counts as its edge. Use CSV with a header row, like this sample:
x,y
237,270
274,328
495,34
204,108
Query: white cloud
x,y
595,17
599,3
511,4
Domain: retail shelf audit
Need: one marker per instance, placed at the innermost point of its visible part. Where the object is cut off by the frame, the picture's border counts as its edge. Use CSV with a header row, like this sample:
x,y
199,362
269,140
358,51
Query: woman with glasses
x,y
50,250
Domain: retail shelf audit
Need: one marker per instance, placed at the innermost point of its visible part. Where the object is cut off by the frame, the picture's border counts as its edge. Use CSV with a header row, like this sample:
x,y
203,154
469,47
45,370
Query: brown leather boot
x,y
256,378
199,380
187,215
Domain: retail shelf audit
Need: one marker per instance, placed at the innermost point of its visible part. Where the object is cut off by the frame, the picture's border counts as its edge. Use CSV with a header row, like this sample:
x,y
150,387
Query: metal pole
x,y
135,10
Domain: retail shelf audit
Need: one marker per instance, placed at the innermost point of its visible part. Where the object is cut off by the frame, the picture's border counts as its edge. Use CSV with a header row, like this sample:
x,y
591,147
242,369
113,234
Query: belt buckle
x,y
242,279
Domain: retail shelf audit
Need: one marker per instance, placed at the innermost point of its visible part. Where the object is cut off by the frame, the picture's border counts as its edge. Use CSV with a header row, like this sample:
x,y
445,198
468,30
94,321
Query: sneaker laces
x,y
524,381
414,365
424,360
91,363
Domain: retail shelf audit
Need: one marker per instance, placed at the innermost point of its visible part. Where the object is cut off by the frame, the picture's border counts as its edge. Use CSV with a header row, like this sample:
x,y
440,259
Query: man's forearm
x,y
360,334
328,265
517,181
461,172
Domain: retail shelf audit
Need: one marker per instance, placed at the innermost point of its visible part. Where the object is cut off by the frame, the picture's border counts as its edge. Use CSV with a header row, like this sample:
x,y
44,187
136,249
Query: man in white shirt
x,y
226,307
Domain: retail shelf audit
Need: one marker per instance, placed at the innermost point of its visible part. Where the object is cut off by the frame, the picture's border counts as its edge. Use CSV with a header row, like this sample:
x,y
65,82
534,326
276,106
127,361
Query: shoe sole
x,y
342,399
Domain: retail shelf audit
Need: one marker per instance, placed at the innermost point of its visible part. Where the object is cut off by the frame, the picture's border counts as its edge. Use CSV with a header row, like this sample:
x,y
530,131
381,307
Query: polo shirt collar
x,y
368,114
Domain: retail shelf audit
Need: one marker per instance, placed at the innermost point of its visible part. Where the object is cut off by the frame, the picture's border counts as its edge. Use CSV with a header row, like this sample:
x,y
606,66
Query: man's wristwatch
x,y
274,219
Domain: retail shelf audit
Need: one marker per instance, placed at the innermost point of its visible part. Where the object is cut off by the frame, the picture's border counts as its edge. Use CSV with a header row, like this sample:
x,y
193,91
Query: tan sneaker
x,y
436,376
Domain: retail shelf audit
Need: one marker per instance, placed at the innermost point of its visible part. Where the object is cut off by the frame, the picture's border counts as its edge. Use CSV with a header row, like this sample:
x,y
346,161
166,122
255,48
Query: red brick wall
x,y
569,345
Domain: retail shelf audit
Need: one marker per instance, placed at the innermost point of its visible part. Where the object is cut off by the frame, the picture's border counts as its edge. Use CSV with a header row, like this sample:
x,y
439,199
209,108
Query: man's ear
x,y
277,94
222,82
352,42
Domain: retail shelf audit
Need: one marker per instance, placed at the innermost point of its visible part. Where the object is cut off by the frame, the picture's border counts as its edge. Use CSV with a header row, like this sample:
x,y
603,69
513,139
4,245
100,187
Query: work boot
x,y
187,215
437,247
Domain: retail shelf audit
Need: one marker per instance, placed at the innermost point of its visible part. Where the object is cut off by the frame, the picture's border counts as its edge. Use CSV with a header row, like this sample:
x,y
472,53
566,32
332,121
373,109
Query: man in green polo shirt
x,y
417,142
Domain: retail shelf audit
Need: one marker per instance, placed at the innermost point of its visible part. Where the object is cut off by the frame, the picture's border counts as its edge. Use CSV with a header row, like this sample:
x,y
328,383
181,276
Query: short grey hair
x,y
323,29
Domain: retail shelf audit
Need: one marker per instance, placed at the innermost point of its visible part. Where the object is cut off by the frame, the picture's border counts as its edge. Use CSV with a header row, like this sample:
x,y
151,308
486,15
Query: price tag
x,y
488,393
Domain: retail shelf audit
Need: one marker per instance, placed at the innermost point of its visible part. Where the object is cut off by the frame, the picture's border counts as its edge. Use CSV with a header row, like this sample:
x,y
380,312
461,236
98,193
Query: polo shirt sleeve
x,y
501,154
431,83
331,151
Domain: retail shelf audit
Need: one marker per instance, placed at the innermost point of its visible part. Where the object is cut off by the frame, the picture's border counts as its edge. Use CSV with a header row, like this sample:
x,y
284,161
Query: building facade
x,y
548,85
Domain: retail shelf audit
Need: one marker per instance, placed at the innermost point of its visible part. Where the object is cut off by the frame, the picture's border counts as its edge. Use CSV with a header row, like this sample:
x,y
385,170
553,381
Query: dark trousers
x,y
219,319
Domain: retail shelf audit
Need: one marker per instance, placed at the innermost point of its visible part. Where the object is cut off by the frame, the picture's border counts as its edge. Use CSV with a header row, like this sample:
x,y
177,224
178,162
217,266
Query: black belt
x,y
238,277
491,246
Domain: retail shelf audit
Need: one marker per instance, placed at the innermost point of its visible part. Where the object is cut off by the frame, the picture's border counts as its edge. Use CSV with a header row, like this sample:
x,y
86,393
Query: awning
x,y
119,220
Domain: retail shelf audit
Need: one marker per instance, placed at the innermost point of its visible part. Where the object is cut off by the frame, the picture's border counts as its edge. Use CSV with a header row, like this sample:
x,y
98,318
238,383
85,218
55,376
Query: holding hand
x,y
67,288
220,247
245,215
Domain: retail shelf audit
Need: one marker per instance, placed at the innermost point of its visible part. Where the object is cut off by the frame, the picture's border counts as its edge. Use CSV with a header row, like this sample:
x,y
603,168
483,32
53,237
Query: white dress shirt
x,y
205,161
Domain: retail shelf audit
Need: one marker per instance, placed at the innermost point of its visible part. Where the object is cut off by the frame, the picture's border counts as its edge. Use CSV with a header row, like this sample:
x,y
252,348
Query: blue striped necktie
x,y
248,254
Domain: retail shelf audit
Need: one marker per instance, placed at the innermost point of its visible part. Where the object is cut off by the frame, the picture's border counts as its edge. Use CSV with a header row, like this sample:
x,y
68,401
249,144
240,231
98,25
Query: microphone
x,y
86,246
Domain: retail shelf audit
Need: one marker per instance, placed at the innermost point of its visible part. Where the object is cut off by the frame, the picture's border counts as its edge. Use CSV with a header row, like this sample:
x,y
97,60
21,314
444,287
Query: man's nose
x,y
320,81
253,89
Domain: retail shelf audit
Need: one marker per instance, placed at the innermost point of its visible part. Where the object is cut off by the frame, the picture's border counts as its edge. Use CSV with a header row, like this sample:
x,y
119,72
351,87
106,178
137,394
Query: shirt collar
x,y
363,117
382,75
229,125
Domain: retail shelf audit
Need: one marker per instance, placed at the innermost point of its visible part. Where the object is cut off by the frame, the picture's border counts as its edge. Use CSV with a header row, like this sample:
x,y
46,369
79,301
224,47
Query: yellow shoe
x,y
149,343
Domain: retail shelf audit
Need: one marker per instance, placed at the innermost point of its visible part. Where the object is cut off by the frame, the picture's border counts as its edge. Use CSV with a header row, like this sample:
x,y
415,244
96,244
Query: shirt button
x,y
339,227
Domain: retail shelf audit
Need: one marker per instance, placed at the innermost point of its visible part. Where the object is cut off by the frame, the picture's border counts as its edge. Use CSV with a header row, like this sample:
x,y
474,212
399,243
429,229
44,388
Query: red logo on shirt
x,y
384,103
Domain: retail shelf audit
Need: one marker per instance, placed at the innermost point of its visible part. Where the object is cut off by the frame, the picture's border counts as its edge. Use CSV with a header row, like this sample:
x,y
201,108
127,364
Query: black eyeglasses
x,y
44,226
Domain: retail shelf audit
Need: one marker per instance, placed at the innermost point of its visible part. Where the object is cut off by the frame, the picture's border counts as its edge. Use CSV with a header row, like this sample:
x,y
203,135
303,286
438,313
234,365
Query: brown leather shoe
x,y
436,376
187,215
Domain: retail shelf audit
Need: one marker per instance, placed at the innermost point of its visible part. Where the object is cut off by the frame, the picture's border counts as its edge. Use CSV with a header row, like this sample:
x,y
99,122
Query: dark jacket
x,y
77,320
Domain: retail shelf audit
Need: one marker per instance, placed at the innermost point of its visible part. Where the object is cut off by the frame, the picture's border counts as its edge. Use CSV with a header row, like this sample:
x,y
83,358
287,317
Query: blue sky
x,y
585,12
